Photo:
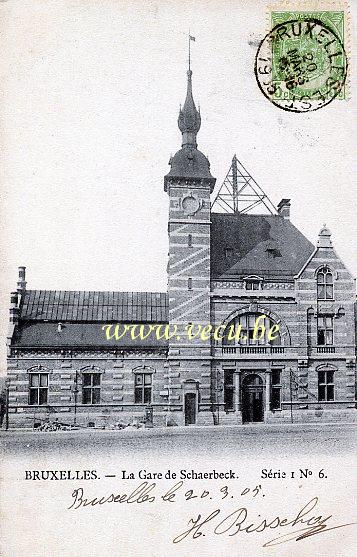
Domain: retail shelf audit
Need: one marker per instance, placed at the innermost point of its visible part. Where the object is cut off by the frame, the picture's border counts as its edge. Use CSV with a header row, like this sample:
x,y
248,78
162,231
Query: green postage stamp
x,y
301,64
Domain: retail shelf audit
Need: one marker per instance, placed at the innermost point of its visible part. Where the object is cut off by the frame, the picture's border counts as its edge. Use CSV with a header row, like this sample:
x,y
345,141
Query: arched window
x,y
252,329
324,284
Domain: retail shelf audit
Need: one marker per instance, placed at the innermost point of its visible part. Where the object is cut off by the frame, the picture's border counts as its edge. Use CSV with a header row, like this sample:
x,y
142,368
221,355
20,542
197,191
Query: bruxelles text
x,y
203,332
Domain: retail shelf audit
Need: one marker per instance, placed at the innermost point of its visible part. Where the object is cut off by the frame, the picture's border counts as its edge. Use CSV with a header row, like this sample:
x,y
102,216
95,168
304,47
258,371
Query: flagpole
x,y
190,38
189,51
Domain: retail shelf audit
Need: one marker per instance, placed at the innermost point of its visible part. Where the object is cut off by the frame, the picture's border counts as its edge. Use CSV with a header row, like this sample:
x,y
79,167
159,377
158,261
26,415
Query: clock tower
x,y
189,185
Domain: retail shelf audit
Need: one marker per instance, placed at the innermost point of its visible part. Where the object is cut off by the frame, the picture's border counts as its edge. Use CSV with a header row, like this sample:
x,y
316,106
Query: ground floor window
x,y
143,388
326,387
38,388
91,388
228,390
276,389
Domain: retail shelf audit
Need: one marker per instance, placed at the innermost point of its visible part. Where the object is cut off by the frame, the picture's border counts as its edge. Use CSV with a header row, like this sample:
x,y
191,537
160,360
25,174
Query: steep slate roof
x,y
75,334
251,238
105,307
83,314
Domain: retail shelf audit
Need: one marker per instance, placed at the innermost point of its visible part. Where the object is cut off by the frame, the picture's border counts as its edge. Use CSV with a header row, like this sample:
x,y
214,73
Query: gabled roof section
x,y
106,307
265,245
326,250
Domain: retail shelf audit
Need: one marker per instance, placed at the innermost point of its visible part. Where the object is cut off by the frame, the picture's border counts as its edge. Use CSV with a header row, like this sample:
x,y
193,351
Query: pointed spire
x,y
189,163
189,120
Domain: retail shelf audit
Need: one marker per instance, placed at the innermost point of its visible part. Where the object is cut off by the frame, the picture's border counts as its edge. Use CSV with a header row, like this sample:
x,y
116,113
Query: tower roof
x,y
189,162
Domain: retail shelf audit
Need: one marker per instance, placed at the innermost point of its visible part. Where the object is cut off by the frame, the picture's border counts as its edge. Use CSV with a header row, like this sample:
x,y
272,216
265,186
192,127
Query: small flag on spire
x,y
190,38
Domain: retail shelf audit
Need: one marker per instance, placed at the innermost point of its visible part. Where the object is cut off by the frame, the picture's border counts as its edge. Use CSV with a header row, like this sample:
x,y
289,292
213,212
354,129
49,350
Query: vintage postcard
x,y
178,236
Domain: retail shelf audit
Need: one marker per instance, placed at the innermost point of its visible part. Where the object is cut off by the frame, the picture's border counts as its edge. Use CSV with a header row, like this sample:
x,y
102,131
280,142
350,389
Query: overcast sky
x,y
90,97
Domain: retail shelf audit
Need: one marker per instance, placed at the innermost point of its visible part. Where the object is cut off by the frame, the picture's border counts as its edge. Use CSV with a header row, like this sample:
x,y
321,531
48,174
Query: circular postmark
x,y
301,65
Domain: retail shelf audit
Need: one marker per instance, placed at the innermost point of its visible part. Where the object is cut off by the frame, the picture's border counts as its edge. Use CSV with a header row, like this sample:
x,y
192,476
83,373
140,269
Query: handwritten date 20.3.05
x,y
302,523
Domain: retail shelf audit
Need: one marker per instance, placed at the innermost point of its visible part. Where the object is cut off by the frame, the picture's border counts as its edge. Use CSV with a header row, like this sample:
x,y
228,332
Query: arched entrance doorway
x,y
252,399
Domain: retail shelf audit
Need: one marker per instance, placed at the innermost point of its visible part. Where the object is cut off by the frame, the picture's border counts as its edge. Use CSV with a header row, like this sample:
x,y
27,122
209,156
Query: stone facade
x,y
223,270
65,388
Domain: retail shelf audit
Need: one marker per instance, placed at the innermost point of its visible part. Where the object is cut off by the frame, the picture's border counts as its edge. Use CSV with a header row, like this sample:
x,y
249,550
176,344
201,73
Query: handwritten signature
x,y
239,521
308,523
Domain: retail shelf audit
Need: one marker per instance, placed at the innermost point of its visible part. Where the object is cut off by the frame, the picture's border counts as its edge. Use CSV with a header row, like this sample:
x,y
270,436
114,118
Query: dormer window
x,y
228,252
272,250
253,283
273,253
324,284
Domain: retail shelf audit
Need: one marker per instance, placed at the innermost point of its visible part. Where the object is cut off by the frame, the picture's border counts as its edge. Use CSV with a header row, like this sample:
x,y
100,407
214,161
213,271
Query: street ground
x,y
281,441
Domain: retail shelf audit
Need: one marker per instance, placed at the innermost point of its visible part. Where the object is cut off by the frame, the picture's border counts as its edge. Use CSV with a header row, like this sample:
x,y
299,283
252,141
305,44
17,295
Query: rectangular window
x,y
38,388
252,285
276,389
326,387
91,388
321,292
325,330
329,292
143,388
228,252
189,284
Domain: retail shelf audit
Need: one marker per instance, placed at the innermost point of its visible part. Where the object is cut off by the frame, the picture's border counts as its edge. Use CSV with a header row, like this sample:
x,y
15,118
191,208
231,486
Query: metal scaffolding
x,y
240,193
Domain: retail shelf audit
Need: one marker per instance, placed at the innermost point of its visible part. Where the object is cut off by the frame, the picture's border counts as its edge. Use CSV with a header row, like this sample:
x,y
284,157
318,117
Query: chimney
x,y
14,308
284,208
21,283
